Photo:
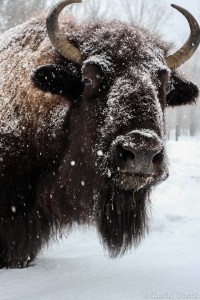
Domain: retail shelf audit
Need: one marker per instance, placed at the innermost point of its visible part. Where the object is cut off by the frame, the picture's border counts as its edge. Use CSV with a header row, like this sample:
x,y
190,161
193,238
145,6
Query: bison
x,y
82,129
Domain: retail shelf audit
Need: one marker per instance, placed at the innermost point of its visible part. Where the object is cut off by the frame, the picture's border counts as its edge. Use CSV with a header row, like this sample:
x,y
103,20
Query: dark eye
x,y
88,82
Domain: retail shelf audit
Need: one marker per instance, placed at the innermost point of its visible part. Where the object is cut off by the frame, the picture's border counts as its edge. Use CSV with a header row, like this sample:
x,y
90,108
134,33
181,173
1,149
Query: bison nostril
x,y
157,159
125,153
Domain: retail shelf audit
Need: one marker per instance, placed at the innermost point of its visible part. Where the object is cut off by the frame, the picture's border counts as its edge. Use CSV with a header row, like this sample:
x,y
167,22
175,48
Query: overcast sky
x,y
178,26
193,6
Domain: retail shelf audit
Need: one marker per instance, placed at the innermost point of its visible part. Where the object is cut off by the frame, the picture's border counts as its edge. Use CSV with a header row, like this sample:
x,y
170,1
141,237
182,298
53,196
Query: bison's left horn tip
x,y
187,50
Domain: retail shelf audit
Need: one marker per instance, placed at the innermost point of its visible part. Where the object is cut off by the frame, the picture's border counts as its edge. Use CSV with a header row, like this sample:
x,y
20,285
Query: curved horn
x,y
187,50
57,38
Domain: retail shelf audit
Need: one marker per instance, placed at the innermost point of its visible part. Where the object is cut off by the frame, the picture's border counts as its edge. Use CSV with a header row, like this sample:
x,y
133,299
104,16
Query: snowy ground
x,y
165,266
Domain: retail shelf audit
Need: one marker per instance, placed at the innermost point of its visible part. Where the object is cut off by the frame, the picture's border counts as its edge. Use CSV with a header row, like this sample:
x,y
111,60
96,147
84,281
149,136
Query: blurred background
x,y
158,16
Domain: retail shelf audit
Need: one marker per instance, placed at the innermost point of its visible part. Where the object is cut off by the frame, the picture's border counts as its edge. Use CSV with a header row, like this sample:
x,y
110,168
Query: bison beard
x,y
120,214
121,217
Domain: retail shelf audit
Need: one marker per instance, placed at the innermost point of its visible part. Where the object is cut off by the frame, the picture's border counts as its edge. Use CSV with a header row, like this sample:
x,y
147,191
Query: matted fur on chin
x,y
122,217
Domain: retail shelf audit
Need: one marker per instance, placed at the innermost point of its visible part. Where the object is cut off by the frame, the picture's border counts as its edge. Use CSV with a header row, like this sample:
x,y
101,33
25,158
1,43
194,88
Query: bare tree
x,y
15,12
149,14
88,9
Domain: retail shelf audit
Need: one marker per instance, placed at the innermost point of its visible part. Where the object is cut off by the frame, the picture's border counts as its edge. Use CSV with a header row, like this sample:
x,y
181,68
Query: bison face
x,y
119,84
115,152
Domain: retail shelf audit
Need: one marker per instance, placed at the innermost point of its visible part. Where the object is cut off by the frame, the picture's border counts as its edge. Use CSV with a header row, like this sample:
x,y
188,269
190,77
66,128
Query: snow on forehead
x,y
121,42
133,96
100,60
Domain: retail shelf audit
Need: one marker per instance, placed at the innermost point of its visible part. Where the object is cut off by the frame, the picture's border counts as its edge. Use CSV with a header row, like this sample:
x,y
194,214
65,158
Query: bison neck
x,y
77,178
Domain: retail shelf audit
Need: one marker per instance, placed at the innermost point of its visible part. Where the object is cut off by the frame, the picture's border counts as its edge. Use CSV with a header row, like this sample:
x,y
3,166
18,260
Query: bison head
x,y
119,80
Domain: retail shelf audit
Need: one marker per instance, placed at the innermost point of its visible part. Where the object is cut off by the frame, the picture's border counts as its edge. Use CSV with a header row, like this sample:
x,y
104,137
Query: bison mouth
x,y
134,182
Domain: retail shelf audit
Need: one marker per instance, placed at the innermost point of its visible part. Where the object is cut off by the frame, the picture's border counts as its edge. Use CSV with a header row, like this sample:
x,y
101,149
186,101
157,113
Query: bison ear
x,y
183,92
58,79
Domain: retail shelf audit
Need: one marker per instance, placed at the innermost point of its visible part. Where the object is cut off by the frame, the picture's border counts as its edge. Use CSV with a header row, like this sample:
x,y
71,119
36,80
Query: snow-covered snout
x,y
138,154
138,159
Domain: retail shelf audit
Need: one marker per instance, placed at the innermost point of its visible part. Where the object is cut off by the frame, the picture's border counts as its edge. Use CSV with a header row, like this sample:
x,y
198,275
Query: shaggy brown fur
x,y
59,140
